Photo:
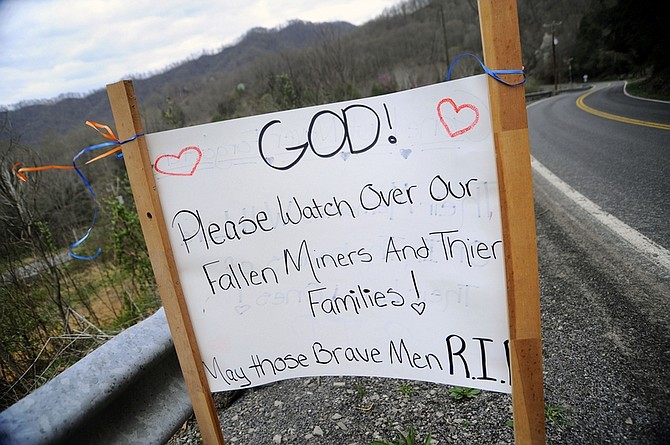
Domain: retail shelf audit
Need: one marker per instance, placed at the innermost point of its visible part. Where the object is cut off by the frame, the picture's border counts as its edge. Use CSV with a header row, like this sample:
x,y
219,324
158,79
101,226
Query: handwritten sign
x,y
356,238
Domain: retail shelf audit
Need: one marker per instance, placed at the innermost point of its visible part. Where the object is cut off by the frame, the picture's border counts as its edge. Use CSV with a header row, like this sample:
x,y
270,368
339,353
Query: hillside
x,y
409,44
31,123
300,64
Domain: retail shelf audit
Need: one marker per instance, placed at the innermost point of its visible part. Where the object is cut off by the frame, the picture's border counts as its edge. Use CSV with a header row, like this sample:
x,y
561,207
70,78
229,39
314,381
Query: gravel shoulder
x,y
359,410
605,315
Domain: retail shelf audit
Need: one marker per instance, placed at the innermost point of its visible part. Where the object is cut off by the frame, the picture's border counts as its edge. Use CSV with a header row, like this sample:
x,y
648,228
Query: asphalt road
x,y
605,303
622,167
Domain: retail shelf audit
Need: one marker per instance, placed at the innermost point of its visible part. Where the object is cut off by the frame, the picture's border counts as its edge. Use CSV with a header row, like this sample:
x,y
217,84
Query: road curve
x,y
622,167
612,98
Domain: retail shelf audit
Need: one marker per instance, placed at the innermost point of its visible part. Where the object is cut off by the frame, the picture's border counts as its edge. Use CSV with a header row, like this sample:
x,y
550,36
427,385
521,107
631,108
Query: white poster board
x,y
356,238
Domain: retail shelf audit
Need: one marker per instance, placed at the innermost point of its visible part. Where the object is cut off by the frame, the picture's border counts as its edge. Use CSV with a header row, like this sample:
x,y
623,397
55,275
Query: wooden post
x,y
136,156
502,50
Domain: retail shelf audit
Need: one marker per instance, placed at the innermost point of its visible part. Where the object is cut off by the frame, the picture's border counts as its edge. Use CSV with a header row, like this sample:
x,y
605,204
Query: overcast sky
x,y
51,47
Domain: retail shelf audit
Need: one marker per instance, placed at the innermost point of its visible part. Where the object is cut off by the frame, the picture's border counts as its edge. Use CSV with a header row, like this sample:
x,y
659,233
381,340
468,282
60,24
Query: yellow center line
x,y
580,103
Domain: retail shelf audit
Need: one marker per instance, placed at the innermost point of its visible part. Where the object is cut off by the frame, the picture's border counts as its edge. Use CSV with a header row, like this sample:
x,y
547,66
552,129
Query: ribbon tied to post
x,y
113,142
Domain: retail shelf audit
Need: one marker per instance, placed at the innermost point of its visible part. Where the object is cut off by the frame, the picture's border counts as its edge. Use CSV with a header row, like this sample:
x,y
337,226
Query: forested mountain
x,y
407,45
55,118
404,47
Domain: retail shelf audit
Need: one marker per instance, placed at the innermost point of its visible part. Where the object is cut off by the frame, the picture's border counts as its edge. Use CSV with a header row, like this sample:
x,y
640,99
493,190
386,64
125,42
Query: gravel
x,y
358,410
606,347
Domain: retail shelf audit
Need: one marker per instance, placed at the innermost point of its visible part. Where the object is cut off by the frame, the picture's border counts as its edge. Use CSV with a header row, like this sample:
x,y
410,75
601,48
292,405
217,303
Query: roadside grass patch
x,y
460,393
553,414
406,439
406,389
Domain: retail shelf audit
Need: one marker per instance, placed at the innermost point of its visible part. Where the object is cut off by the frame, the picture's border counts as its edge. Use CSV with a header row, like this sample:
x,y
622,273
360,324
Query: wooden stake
x,y
502,50
136,156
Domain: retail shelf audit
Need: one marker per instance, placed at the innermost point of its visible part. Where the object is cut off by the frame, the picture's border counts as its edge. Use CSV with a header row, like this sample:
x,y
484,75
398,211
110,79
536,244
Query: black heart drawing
x,y
242,308
419,307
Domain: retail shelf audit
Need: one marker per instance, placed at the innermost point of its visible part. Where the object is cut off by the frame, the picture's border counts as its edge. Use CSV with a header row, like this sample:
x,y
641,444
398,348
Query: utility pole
x,y
570,69
553,26
444,35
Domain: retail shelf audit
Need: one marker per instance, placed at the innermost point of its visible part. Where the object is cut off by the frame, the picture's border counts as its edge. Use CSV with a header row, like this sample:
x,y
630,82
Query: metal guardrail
x,y
128,391
530,97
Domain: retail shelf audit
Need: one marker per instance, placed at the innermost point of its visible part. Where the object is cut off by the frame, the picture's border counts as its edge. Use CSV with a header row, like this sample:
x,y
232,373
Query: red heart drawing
x,y
457,109
166,170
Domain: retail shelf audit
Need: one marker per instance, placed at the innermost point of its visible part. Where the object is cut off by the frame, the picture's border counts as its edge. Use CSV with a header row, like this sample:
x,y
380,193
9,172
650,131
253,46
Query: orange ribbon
x,y
107,133
20,172
104,130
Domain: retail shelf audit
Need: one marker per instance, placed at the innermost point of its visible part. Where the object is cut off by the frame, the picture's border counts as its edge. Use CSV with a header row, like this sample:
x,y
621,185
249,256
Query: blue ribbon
x,y
92,193
493,73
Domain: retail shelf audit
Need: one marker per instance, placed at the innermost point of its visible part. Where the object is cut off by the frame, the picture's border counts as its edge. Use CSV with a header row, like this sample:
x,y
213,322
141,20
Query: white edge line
x,y
640,242
625,91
